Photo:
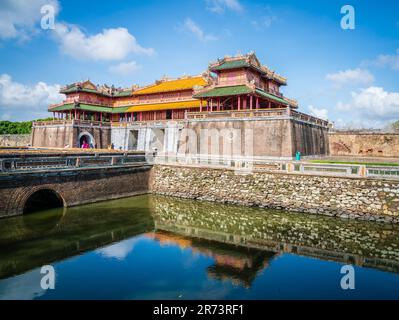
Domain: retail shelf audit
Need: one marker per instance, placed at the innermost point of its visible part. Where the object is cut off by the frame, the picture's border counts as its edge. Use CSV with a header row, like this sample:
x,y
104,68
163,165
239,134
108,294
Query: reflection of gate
x,y
133,139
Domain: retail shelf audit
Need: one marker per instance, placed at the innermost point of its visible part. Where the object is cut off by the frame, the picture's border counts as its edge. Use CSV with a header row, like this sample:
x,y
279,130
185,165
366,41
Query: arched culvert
x,y
41,200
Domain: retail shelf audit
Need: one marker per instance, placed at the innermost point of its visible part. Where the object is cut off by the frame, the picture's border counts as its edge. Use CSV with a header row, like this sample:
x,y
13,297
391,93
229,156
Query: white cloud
x,y
110,44
391,61
124,68
265,20
318,113
220,6
351,76
118,251
26,101
19,19
195,29
373,104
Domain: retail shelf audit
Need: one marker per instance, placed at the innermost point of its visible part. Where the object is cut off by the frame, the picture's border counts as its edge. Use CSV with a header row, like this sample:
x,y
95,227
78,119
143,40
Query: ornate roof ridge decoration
x,y
249,60
88,86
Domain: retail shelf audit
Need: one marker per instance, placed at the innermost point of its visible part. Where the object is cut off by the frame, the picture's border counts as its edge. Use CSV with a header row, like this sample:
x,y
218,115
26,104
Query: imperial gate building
x,y
236,102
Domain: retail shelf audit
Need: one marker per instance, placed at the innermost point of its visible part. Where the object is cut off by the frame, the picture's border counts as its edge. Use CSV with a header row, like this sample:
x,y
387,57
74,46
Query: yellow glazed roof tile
x,y
172,85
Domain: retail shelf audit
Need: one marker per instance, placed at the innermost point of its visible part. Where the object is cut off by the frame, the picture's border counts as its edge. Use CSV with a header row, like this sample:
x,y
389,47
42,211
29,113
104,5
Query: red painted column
x,y
219,104
101,117
239,103
200,105
257,103
250,102
245,102
75,115
270,105
211,104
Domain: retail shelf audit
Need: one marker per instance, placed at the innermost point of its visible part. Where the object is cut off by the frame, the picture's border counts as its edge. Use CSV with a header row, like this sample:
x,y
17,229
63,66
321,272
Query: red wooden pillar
x,y
101,117
270,104
219,104
200,105
211,104
245,102
141,116
257,103
75,115
239,103
250,102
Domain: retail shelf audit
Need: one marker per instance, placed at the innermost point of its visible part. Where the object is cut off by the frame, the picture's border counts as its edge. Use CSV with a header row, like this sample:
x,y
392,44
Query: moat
x,y
158,247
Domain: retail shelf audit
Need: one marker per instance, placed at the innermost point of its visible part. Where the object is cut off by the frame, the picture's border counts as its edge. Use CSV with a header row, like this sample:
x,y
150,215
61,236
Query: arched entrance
x,y
41,200
86,137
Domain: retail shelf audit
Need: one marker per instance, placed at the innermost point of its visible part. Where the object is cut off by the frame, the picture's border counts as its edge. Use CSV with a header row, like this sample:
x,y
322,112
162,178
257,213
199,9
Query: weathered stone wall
x,y
14,140
74,186
52,136
355,198
275,138
309,139
58,136
364,144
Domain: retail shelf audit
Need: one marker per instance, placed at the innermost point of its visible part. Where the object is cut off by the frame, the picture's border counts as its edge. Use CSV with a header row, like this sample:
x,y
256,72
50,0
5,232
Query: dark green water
x,y
155,247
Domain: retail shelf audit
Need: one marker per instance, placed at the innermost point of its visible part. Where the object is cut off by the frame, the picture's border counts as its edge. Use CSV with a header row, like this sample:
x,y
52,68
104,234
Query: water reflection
x,y
239,265
162,247
43,237
353,242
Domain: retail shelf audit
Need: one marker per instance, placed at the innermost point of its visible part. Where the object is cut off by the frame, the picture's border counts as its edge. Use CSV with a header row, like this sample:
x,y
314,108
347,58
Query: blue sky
x,y
350,76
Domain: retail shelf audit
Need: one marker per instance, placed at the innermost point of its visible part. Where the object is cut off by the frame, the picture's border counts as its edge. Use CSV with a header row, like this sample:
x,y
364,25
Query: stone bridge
x,y
37,180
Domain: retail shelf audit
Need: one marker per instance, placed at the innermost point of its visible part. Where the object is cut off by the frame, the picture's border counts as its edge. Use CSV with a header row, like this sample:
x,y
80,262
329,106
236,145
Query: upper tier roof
x,y
246,61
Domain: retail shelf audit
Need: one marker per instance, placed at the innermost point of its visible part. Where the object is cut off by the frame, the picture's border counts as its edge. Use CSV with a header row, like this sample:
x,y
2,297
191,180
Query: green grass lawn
x,y
386,164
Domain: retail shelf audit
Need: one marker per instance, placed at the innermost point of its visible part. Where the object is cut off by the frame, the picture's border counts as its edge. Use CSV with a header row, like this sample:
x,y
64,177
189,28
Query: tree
x,y
25,127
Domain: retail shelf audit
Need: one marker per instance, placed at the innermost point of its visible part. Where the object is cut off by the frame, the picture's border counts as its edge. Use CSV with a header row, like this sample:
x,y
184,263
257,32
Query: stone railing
x,y
257,113
75,122
258,164
57,161
236,114
308,118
